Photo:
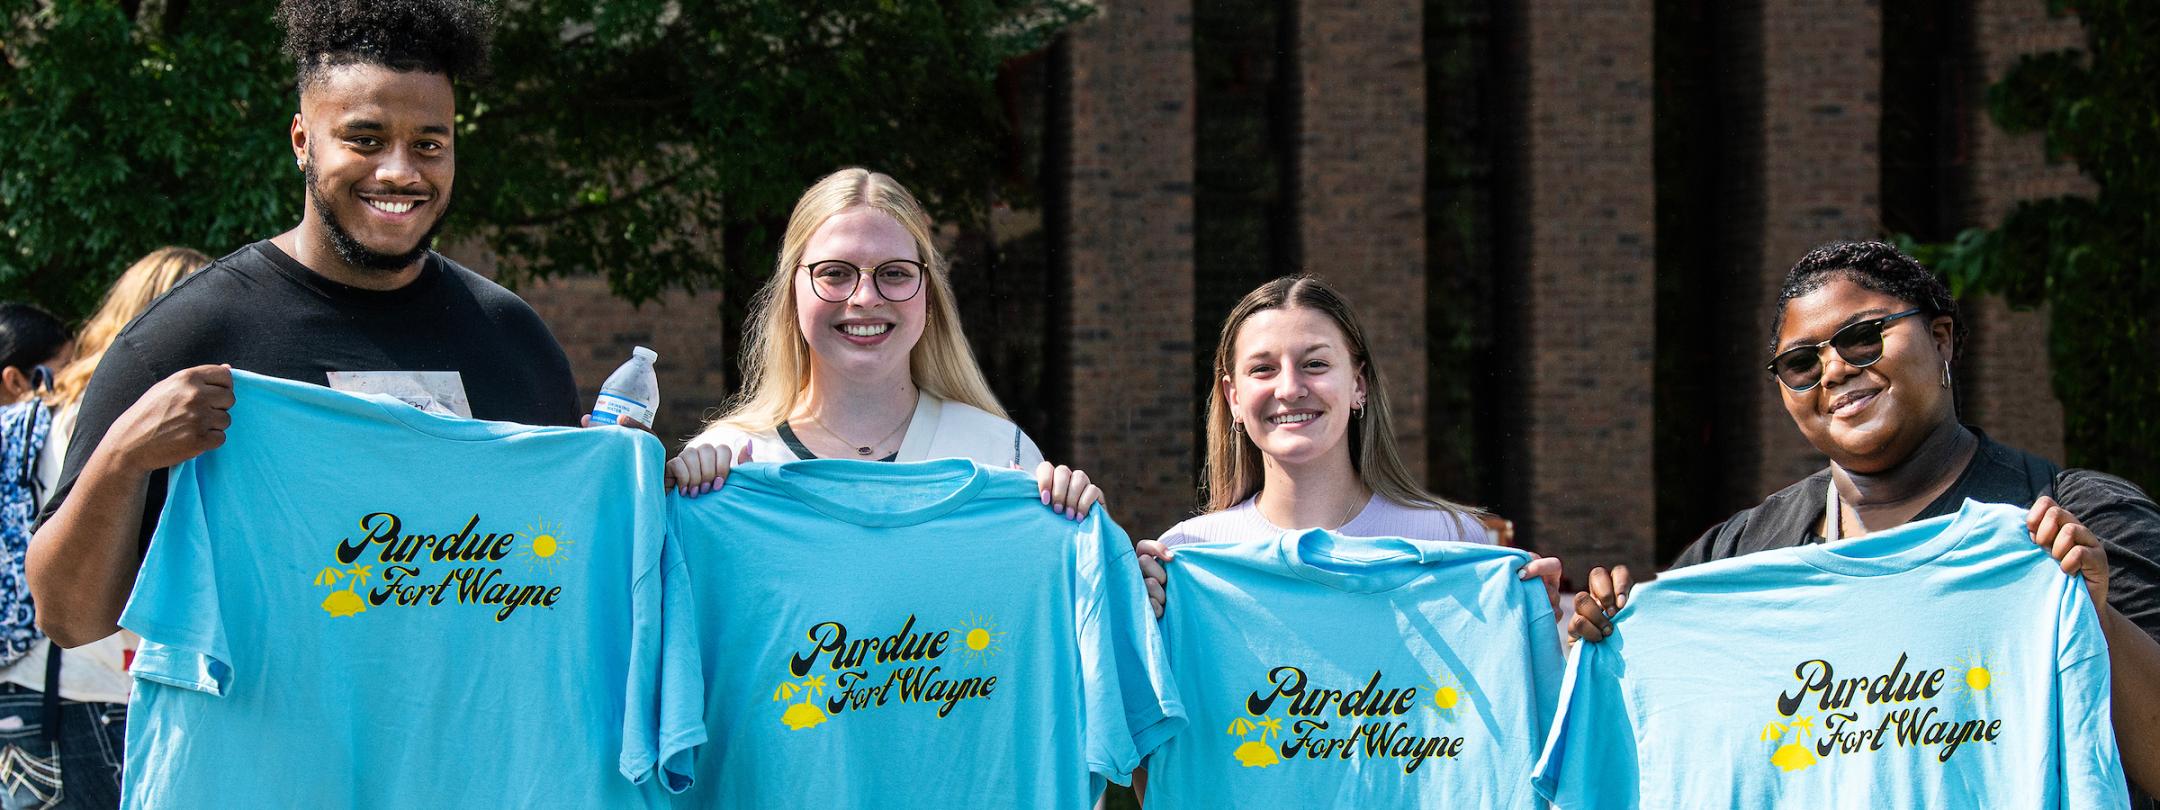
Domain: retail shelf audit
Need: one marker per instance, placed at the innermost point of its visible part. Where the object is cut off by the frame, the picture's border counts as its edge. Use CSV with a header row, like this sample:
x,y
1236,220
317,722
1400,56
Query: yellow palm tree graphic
x,y
1256,753
806,714
1792,756
346,602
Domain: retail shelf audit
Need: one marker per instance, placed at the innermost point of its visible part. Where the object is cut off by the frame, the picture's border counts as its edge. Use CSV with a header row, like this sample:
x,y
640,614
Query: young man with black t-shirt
x,y
353,298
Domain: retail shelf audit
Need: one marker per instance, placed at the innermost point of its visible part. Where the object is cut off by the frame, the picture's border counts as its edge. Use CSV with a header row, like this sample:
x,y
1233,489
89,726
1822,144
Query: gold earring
x,y
1946,374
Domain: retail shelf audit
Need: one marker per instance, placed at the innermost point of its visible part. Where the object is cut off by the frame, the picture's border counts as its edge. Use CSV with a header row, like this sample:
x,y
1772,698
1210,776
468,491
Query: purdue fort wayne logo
x,y
464,567
1374,720
1937,708
910,665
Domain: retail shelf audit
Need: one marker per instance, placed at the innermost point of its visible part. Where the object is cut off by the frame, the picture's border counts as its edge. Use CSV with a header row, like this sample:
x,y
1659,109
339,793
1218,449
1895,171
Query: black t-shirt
x,y
261,310
2121,515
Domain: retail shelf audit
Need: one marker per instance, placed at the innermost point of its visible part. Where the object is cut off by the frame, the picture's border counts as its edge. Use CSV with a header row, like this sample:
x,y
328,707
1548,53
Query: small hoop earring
x,y
1237,426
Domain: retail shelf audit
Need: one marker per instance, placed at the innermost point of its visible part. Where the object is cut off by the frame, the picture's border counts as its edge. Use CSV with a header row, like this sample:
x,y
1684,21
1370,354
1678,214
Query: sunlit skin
x,y
1868,420
1295,364
873,368
378,137
865,237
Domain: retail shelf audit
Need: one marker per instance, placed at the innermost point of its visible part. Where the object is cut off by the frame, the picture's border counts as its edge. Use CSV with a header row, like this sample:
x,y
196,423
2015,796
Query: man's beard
x,y
350,249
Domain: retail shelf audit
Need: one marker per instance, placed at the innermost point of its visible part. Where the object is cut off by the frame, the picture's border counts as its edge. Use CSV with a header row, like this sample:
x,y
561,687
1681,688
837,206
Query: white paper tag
x,y
440,392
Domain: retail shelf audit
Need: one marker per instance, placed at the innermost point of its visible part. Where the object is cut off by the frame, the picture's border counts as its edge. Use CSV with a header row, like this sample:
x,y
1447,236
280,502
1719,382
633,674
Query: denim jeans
x,y
91,736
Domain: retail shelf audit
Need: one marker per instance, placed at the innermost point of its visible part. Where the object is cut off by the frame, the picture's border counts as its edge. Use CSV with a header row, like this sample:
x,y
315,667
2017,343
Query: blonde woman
x,y
92,679
855,351
1300,436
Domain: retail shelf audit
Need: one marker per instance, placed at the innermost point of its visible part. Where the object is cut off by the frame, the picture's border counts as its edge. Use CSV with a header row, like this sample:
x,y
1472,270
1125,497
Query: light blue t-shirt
x,y
919,635
1944,663
353,603
1320,670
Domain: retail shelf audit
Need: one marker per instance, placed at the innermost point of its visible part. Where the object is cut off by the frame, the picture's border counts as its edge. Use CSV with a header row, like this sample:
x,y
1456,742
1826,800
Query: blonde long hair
x,y
143,281
1234,469
776,356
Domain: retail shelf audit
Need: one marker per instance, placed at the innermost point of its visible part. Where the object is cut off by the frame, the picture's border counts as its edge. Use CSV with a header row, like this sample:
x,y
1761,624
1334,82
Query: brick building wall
x,y
1579,245
597,332
1821,114
1361,183
1590,315
1128,251
2007,389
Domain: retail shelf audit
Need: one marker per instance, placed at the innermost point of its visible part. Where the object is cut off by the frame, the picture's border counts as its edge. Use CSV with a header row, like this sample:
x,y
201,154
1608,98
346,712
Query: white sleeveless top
x,y
940,428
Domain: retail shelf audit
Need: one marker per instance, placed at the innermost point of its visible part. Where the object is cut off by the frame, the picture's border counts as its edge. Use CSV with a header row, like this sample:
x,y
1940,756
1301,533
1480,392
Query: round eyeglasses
x,y
836,281
1860,345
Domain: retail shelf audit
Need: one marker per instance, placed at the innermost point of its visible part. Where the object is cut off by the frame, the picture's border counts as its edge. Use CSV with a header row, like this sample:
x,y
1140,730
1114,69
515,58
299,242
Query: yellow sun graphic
x,y
544,545
980,640
1973,675
1447,696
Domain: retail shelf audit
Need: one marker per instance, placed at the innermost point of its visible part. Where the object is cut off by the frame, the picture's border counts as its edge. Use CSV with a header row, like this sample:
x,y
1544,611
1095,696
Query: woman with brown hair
x,y
1300,435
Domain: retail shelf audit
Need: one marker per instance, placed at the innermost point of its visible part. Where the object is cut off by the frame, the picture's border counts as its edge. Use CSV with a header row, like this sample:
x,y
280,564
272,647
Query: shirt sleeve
x,y
2092,773
175,606
1131,703
1590,757
664,713
2128,523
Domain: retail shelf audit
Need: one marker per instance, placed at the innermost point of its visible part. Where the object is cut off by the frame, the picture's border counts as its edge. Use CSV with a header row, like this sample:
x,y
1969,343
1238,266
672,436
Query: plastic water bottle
x,y
632,392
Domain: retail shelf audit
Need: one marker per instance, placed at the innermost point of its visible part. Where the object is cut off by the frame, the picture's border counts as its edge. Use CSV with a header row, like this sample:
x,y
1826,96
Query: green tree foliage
x,y
2094,260
642,139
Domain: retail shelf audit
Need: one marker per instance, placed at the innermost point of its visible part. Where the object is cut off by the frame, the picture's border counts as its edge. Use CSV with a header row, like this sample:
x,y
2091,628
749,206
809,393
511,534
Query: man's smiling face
x,y
376,145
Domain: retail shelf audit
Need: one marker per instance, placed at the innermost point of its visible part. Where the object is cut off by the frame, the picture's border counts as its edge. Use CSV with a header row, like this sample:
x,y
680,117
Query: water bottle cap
x,y
645,353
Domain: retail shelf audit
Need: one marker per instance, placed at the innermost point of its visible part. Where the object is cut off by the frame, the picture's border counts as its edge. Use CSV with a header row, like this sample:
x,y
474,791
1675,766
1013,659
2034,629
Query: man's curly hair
x,y
450,37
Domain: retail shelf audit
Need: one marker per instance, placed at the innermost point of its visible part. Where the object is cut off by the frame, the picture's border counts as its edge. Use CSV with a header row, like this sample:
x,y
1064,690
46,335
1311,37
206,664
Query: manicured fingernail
x,y
1046,496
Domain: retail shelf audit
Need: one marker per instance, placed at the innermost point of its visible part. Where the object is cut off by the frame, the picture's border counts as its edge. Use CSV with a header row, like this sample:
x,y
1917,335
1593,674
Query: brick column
x,y
1361,182
1821,112
1591,314
2006,370
1129,250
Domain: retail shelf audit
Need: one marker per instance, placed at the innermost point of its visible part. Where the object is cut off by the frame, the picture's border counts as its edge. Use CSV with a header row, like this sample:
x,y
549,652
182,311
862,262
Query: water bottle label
x,y
611,407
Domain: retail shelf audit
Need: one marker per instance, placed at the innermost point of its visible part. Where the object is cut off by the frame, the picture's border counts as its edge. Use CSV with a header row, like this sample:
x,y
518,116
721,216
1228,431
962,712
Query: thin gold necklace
x,y
863,449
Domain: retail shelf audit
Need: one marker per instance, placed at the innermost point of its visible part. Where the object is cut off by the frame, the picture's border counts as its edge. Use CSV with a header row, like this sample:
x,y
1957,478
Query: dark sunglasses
x,y
1859,345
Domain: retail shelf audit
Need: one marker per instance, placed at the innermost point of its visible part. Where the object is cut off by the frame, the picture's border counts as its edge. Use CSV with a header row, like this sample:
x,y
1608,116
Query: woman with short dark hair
x,y
1865,342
